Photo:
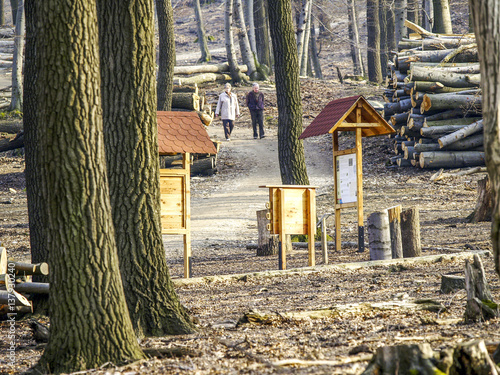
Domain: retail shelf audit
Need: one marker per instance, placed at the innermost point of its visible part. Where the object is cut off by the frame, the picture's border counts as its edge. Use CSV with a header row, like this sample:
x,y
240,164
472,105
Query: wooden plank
x,y
187,216
173,231
359,173
282,265
341,206
311,223
354,125
335,141
344,152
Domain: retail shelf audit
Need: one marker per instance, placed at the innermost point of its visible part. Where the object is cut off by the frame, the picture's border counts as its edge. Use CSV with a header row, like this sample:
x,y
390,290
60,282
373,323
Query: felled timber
x,y
32,288
12,143
446,78
444,102
440,130
11,127
31,269
451,283
202,78
3,260
403,61
473,128
13,298
473,143
186,100
395,231
452,121
206,118
206,68
379,237
451,159
434,43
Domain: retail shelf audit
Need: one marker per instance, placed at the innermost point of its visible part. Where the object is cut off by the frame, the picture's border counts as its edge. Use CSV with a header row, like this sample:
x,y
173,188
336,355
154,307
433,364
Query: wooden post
x,y
262,219
359,182
379,236
282,254
311,223
186,164
324,241
410,232
395,229
338,242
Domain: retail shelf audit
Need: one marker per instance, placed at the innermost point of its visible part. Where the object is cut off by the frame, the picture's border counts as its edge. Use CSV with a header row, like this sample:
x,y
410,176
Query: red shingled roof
x,y
181,132
329,116
339,112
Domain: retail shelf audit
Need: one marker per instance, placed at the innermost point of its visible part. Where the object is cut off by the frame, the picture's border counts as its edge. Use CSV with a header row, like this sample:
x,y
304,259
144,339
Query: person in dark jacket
x,y
255,103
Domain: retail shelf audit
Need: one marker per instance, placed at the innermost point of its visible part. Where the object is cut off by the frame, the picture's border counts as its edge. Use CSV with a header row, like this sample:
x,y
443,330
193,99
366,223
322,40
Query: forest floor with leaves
x,y
234,334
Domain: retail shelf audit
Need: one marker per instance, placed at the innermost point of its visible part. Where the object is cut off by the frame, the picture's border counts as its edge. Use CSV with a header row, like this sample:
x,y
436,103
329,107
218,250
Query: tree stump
x,y
379,236
480,304
472,358
395,230
452,283
267,244
484,205
410,232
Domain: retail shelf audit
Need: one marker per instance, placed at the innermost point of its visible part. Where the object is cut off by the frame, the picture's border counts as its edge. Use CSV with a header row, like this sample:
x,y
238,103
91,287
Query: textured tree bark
x,y
166,59
89,322
486,16
314,54
130,136
228,35
444,76
395,229
428,15
440,102
461,134
16,103
484,204
304,57
442,17
410,232
301,29
451,283
451,159
379,236
373,45
467,55
413,11
245,49
290,148
249,21
435,43
2,13
202,37
400,7
262,34
382,17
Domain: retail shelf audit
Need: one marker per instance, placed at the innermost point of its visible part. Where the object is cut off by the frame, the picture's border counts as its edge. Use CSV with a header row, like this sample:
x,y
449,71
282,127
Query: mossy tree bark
x,y
486,17
131,141
166,61
290,148
90,324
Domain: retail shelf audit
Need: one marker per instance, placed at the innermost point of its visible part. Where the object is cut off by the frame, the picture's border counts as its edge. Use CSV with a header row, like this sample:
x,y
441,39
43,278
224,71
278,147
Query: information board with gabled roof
x,y
354,114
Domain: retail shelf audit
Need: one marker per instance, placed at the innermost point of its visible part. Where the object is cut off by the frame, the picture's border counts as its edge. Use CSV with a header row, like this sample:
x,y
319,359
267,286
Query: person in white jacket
x,y
229,110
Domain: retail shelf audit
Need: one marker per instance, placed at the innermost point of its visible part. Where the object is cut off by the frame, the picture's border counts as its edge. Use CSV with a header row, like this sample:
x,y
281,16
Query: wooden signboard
x,y
175,206
292,210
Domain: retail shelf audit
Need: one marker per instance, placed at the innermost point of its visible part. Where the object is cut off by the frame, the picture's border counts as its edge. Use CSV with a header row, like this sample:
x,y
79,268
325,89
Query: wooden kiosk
x,y
180,133
353,114
292,210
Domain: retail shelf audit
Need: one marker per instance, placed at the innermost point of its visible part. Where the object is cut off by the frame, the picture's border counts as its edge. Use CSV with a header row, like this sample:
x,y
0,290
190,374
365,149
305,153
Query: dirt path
x,y
223,207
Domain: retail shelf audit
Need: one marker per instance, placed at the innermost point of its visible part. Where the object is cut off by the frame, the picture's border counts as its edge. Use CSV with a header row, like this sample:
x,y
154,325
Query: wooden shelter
x,y
348,114
179,133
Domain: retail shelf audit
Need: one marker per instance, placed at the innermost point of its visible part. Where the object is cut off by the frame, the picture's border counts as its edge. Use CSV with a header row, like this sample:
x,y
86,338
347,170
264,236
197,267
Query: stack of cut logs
x,y
201,164
16,287
434,101
188,97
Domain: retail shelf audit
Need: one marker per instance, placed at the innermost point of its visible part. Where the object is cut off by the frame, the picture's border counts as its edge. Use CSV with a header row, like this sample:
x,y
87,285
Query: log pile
x,y
206,73
189,97
433,100
16,287
201,164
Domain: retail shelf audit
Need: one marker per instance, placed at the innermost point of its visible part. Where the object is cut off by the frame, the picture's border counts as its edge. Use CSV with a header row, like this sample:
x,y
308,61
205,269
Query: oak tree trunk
x,y
130,135
290,148
166,59
88,329
486,16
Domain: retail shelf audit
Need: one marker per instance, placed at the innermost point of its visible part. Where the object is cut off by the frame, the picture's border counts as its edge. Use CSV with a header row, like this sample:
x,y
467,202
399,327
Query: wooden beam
x,y
359,125
346,205
344,152
282,265
311,224
359,182
335,141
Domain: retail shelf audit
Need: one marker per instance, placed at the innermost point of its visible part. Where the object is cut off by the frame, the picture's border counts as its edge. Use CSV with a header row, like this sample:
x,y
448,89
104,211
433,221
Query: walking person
x,y
255,103
229,110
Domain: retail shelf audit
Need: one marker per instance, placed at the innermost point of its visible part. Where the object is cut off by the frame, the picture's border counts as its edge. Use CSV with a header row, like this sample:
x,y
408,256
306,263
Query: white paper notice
x,y
346,179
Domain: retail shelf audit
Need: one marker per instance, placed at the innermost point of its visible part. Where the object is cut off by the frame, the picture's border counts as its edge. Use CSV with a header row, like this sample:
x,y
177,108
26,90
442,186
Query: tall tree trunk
x,y
166,61
373,54
251,25
384,54
307,36
428,15
301,29
314,53
246,51
486,16
13,8
36,207
290,148
357,59
400,8
442,17
131,141
17,63
413,12
228,34
89,321
392,45
262,34
2,13
202,37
